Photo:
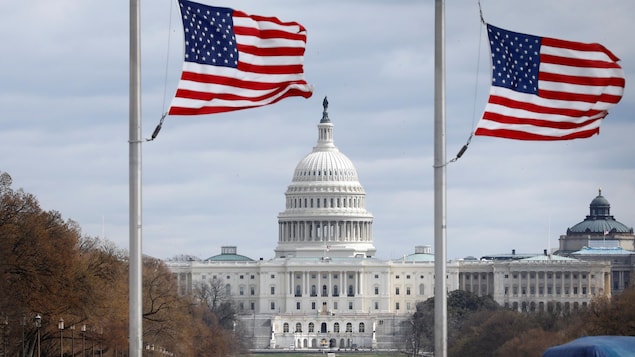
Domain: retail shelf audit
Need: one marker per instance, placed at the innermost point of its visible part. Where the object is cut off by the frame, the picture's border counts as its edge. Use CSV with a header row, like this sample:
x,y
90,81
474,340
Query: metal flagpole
x,y
440,291
135,301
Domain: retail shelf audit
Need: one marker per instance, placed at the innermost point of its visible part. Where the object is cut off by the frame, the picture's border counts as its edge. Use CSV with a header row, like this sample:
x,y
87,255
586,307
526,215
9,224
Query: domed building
x,y
325,289
325,205
598,229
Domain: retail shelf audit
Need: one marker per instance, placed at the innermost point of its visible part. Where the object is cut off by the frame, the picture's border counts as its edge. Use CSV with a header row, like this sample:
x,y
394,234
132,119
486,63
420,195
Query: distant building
x,y
598,230
324,288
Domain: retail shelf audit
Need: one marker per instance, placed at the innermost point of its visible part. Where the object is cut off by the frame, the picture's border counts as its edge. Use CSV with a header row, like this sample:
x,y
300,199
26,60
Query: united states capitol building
x,y
324,288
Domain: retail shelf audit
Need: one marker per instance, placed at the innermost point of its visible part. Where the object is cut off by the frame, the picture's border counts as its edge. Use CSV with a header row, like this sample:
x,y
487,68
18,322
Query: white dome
x,y
329,165
325,205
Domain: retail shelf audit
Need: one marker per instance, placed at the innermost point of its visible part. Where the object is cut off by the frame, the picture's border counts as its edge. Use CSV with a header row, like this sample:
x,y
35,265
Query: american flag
x,y
236,61
548,89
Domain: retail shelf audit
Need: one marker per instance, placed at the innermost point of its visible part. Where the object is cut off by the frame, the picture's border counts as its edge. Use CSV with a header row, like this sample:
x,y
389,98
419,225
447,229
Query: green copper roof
x,y
229,254
599,220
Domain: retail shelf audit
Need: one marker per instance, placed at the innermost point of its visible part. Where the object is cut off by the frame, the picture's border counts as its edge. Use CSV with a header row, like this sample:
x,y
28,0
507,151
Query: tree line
x,y
51,273
479,326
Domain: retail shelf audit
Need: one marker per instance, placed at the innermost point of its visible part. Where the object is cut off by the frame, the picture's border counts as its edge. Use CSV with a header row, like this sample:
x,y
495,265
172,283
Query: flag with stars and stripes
x,y
236,61
548,89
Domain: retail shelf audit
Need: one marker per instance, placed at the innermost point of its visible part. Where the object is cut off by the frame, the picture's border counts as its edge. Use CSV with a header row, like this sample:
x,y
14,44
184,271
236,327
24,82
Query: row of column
x,y
325,231
325,202
305,282
476,280
561,282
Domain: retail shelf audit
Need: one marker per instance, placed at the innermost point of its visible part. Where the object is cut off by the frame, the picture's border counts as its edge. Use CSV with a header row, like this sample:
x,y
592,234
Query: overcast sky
x,y
220,179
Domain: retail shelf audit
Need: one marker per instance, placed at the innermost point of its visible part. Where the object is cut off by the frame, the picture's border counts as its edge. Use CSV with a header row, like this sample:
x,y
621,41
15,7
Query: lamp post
x,y
72,328
38,324
60,326
5,325
22,323
83,329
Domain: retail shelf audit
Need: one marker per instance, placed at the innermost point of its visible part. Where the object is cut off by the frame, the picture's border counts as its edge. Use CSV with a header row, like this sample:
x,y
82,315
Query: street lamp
x,y
5,335
38,324
72,328
83,329
60,326
22,323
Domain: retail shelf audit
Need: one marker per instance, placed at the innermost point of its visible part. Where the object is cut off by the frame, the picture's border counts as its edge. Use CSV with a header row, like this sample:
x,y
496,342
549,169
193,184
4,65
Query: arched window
x,y
298,327
350,290
335,291
336,327
349,327
311,327
313,290
298,290
362,327
325,290
285,327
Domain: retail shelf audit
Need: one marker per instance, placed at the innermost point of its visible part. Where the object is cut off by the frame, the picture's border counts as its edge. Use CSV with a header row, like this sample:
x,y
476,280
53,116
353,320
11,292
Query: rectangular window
x,y
273,305
297,305
397,277
242,277
252,277
408,291
313,305
407,276
350,305
376,305
376,290
396,306
273,290
335,305
396,291
253,306
242,290
376,276
273,276
252,290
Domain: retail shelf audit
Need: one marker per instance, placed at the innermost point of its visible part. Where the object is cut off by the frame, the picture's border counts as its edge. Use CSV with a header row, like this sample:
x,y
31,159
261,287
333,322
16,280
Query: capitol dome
x,y
325,205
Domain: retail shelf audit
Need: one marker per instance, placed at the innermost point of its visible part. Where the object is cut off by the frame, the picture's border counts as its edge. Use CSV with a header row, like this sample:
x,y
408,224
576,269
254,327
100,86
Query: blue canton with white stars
x,y
209,35
515,60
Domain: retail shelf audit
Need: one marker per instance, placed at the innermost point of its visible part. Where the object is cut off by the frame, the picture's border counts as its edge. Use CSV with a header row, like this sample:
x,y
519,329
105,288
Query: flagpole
x,y
440,291
135,341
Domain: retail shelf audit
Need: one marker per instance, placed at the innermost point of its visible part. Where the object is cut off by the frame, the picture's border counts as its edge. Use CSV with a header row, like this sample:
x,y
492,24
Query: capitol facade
x,y
324,288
